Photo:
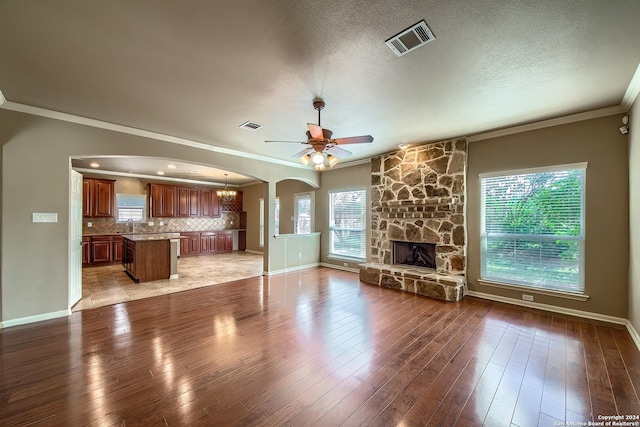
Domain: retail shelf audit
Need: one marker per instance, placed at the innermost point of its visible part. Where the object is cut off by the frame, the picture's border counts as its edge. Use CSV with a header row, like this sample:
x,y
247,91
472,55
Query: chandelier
x,y
226,195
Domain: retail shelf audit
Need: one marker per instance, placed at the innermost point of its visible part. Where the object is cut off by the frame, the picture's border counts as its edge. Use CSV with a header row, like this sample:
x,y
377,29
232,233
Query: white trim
x,y
340,267
37,111
33,319
543,169
297,236
156,177
532,290
588,115
290,269
634,334
632,90
551,308
2,99
254,252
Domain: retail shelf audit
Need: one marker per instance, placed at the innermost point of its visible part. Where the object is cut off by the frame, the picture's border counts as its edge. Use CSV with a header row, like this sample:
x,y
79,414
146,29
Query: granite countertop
x,y
153,236
127,233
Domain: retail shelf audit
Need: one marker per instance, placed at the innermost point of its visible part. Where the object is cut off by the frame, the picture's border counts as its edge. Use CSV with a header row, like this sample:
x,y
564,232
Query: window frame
x,y
296,213
332,252
553,289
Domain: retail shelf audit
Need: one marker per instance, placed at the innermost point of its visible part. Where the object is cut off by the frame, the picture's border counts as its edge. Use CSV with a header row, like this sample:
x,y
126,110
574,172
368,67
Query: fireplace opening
x,y
414,253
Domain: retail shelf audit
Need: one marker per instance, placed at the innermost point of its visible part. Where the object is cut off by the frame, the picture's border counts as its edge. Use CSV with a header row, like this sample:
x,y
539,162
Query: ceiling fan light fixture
x,y
306,159
317,158
226,195
333,160
319,167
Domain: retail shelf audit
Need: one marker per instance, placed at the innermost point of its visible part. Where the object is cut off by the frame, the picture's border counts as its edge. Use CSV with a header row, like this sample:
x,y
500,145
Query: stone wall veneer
x,y
417,195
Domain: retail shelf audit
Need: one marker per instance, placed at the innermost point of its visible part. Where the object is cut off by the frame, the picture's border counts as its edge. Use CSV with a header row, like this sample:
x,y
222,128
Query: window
x,y
277,215
347,224
532,228
303,213
131,207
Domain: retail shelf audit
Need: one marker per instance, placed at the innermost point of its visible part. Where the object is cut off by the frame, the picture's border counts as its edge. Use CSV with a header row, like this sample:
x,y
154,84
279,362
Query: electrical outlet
x,y
299,254
150,223
527,297
161,222
346,264
231,222
89,224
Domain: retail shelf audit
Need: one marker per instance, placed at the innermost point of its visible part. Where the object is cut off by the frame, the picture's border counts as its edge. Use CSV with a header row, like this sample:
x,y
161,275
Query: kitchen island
x,y
148,257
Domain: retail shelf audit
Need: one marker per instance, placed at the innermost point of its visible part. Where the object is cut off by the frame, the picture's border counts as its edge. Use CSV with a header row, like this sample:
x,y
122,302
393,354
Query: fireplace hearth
x,y
416,254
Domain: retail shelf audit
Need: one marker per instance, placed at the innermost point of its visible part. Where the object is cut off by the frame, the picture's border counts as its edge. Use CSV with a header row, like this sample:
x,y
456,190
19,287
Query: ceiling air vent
x,y
249,125
410,39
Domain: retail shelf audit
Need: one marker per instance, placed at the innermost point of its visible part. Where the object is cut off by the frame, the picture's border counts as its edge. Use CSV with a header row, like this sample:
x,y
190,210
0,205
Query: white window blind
x,y
131,207
347,223
532,229
303,213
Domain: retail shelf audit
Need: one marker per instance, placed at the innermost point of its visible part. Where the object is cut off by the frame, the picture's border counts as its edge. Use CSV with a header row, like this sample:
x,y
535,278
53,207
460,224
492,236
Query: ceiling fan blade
x,y
337,151
290,142
304,152
315,131
353,140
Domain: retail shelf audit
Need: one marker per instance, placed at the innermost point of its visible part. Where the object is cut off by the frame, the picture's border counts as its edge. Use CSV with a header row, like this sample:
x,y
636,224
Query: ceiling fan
x,y
323,150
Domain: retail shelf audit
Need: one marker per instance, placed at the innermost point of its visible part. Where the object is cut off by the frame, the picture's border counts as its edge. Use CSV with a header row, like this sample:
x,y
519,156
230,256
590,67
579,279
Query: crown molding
x,y
71,118
587,115
632,91
159,178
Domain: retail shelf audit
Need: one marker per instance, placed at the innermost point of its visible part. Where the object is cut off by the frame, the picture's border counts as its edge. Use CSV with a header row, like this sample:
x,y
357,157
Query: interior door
x,y
75,238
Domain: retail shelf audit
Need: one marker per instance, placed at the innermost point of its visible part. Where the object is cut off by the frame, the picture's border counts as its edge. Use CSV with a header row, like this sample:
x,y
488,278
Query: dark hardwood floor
x,y
315,347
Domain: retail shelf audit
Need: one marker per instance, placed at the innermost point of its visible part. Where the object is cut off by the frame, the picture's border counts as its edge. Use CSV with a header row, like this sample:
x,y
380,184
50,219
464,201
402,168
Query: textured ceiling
x,y
198,69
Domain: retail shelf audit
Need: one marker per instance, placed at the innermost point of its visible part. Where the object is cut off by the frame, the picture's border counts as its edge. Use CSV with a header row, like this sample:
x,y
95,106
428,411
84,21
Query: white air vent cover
x,y
410,39
249,125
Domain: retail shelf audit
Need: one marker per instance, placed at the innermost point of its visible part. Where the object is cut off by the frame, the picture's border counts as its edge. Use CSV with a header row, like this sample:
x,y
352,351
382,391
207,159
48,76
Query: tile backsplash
x,y
226,221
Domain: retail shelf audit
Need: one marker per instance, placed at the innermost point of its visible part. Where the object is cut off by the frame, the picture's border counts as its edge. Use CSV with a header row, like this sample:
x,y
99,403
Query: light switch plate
x,y
45,217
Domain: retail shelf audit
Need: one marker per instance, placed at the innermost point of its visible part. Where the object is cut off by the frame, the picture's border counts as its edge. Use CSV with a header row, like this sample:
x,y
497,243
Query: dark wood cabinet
x,y
98,197
232,206
209,205
86,250
190,245
194,202
225,241
208,242
117,249
147,260
101,248
162,201
184,201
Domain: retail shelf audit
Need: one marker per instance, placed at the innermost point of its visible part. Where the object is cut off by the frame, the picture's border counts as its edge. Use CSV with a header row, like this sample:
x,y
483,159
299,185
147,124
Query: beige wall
x,y
251,195
35,178
597,142
348,178
634,213
285,191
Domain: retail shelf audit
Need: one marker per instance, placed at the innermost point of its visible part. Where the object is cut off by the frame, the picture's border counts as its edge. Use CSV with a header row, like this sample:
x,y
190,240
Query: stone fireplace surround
x,y
417,195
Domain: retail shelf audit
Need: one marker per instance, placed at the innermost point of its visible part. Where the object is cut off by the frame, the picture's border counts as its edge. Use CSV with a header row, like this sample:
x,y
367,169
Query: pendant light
x,y
226,195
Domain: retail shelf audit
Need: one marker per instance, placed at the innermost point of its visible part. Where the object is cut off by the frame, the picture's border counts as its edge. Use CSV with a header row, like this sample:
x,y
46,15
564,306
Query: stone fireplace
x,y
417,254
417,197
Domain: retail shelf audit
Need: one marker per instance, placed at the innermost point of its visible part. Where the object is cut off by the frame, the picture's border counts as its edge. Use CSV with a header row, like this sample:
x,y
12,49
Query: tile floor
x,y
109,284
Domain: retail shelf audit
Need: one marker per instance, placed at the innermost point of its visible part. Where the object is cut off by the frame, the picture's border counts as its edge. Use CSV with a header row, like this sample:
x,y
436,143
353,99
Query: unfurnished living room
x,y
320,213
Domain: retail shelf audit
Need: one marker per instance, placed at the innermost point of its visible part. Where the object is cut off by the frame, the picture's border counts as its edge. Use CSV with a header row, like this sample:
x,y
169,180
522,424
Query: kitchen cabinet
x,y
190,245
101,248
209,204
162,201
146,259
208,242
98,197
188,202
225,241
232,206
86,251
117,249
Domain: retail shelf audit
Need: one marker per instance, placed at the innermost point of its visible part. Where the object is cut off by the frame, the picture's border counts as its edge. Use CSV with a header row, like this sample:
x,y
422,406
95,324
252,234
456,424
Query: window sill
x,y
345,258
539,291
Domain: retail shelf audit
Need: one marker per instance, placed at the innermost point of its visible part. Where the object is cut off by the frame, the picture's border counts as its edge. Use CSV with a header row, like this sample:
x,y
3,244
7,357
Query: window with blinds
x,y
131,207
532,228
347,224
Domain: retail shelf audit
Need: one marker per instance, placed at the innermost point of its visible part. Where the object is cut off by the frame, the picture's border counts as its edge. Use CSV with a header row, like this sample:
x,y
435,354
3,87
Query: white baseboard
x,y
33,319
253,252
290,269
634,334
552,308
340,267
